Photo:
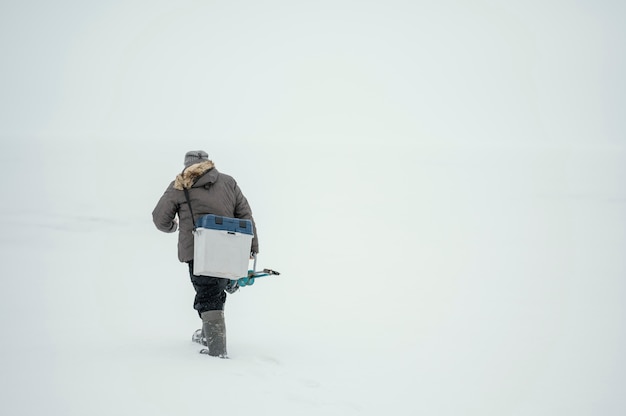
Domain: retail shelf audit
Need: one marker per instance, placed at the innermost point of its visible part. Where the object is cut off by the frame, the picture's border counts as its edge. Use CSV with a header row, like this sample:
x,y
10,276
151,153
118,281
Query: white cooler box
x,y
222,247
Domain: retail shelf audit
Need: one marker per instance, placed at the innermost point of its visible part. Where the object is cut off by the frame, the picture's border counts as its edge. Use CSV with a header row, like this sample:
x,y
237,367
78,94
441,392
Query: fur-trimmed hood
x,y
190,175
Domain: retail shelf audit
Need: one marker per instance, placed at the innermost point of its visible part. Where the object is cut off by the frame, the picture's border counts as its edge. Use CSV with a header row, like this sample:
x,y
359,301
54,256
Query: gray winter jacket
x,y
210,192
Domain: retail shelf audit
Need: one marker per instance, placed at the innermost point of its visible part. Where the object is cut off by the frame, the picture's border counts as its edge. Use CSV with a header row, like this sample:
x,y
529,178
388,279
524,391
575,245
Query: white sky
x,y
343,71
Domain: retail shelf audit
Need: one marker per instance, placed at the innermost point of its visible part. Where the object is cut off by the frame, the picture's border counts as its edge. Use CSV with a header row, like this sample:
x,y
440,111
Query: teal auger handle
x,y
245,281
252,275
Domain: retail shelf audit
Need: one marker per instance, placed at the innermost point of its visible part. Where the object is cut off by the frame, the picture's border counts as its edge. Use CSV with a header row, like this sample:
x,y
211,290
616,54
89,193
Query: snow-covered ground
x,y
448,282
446,203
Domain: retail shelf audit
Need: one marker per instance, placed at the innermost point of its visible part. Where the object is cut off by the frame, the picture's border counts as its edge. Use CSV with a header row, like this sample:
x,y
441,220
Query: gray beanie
x,y
195,156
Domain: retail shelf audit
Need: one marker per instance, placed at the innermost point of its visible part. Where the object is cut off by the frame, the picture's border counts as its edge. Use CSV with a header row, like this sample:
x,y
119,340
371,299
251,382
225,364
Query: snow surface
x,y
441,187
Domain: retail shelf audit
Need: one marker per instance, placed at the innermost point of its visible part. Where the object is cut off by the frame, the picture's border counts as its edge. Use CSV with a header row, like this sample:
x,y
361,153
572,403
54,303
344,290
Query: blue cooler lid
x,y
217,222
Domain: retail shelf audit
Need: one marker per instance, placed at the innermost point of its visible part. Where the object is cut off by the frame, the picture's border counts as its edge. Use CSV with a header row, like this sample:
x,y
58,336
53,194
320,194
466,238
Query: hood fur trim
x,y
188,177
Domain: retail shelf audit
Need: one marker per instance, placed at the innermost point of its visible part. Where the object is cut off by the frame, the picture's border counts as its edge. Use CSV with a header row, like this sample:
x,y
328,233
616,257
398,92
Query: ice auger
x,y
254,274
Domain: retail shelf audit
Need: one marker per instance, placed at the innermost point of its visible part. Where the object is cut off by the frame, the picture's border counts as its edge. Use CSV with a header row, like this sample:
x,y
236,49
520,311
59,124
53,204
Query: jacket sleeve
x,y
164,214
243,210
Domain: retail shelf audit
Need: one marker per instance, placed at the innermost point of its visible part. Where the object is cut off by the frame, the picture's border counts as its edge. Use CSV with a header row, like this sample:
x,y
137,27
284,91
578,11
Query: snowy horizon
x,y
440,185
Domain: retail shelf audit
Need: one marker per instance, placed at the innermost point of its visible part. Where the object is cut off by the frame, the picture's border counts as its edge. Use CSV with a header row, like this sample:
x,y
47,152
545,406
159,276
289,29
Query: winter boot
x,y
214,330
199,337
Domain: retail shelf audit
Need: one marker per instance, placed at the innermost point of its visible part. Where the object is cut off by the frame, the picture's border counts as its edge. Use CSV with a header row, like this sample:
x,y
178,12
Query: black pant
x,y
210,294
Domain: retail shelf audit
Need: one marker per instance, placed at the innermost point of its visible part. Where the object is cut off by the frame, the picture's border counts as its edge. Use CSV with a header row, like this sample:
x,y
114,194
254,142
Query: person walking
x,y
208,192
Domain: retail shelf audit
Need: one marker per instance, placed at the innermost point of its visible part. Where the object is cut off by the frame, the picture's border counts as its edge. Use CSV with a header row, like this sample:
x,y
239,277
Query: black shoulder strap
x,y
186,191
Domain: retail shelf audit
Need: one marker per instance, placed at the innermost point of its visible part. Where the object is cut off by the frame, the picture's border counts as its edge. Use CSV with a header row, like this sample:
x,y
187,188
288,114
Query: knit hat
x,y
195,156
